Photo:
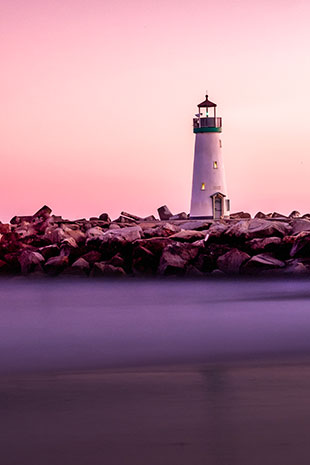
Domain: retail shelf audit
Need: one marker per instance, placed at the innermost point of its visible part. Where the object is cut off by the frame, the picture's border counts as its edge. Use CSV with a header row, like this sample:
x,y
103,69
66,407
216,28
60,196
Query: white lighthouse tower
x,y
209,191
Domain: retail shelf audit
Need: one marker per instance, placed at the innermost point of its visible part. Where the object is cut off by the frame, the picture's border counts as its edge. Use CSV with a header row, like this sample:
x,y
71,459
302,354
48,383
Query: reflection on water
x,y
156,373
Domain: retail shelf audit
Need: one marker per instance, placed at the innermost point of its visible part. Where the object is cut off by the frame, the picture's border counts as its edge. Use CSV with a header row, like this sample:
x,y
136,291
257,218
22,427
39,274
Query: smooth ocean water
x,y
154,372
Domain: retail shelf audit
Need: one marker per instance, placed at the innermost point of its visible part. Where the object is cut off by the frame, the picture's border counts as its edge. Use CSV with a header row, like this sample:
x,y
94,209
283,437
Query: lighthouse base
x,y
208,218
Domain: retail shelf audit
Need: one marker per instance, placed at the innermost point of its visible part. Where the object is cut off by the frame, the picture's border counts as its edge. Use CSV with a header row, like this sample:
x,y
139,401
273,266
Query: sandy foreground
x,y
251,413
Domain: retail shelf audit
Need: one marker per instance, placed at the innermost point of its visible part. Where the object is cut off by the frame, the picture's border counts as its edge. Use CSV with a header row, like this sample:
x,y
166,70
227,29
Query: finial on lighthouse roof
x,y
206,103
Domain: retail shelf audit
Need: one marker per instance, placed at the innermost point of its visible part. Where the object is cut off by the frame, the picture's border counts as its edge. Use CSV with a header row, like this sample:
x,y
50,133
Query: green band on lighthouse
x,y
198,130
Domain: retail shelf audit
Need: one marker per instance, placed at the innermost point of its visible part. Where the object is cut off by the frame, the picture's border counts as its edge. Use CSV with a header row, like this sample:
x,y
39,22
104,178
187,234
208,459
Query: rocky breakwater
x,y
47,245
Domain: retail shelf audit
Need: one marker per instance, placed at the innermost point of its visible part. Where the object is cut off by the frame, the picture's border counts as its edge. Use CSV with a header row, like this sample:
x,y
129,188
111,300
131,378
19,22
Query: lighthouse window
x,y
215,165
203,186
220,142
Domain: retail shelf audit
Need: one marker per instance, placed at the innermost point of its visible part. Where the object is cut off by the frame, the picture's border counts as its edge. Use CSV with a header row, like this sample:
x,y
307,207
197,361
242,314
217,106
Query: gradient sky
x,y
97,99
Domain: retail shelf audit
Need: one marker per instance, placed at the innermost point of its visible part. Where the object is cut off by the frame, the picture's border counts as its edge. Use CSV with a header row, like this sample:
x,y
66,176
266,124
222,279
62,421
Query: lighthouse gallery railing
x,y
207,122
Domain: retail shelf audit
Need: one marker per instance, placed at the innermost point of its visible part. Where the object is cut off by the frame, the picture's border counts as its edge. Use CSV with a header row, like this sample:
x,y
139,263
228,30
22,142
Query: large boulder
x,y
144,262
247,230
156,245
195,225
5,228
278,215
260,215
43,213
216,231
54,234
264,244
179,216
163,230
297,267
261,262
105,217
188,236
239,215
56,265
128,234
92,256
231,261
4,267
176,257
301,246
300,225
294,214
104,269
30,261
49,251
164,213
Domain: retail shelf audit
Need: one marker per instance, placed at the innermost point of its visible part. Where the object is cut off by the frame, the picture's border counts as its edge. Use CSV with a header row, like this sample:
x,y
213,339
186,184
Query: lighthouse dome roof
x,y
206,103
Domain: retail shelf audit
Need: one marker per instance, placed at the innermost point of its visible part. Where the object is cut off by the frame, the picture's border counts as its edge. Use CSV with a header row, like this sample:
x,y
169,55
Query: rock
x,y
252,229
114,226
216,231
164,213
144,261
163,230
54,235
30,261
218,273
176,257
261,262
69,242
25,230
188,236
145,225
260,215
104,269
117,260
236,216
150,218
300,225
231,261
191,270
5,228
105,217
156,245
261,244
301,246
49,251
179,216
81,264
131,216
125,219
12,261
4,267
128,234
56,265
42,213
94,233
92,257
278,215
306,216
195,225
296,267
21,219
294,214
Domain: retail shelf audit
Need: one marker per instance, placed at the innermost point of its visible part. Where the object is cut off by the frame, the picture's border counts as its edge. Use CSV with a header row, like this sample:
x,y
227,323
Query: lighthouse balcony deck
x,y
207,123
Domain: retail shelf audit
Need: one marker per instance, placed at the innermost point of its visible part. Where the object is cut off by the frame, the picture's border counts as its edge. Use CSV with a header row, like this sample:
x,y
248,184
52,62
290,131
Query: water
x,y
154,372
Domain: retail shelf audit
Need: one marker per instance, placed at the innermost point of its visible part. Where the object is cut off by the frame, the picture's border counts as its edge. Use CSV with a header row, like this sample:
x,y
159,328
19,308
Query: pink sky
x,y
97,99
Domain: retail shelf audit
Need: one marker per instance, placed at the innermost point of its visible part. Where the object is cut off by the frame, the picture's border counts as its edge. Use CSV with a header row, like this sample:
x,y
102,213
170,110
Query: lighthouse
x,y
209,192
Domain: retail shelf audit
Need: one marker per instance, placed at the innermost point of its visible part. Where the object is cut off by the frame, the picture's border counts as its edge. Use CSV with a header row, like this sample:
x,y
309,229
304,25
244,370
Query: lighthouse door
x,y
217,208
